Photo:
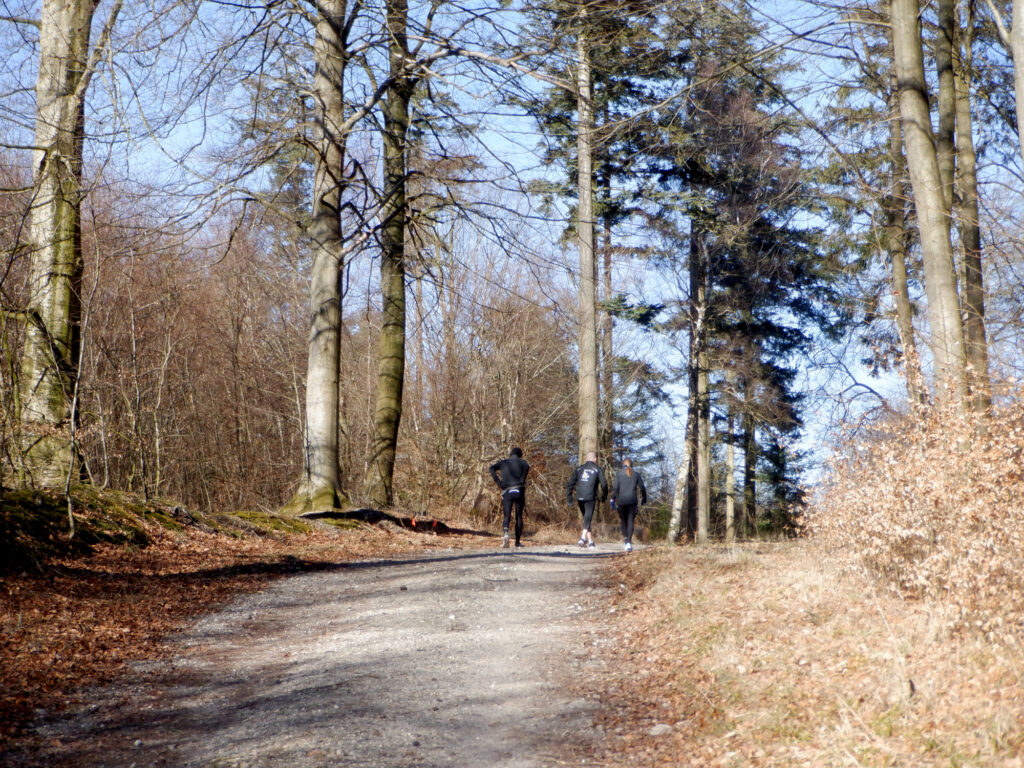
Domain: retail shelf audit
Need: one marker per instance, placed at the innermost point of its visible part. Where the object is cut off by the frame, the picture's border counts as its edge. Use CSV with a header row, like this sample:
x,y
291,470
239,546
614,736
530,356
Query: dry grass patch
x,y
771,654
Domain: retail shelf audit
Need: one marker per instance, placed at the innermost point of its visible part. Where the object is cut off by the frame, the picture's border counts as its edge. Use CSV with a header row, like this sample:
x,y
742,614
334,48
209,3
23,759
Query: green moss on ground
x,y
35,526
343,524
266,521
320,499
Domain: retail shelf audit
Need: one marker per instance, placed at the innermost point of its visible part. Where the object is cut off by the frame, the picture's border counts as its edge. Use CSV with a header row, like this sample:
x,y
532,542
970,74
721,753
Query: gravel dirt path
x,y
457,658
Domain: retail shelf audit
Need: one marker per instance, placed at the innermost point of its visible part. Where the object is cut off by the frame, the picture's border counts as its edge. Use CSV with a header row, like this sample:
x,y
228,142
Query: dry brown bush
x,y
931,502
768,655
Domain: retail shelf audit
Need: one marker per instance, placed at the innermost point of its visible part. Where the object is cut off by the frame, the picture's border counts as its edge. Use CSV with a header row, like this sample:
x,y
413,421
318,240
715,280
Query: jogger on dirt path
x,y
585,482
510,475
628,493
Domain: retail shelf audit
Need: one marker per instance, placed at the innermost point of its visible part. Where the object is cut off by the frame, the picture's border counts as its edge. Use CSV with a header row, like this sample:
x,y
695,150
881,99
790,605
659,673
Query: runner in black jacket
x,y
510,475
628,493
586,481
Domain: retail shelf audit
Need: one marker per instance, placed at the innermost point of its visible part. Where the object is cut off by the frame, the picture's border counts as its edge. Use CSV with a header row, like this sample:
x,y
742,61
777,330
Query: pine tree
x,y
727,186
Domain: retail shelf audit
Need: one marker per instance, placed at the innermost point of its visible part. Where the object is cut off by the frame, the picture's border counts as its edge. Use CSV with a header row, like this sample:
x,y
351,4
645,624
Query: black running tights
x,y
587,509
627,516
509,499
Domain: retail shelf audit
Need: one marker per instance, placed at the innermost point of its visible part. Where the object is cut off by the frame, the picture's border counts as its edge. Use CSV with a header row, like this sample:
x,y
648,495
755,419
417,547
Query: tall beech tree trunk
x,y
588,374
970,230
49,364
391,354
897,237
946,328
1017,52
320,485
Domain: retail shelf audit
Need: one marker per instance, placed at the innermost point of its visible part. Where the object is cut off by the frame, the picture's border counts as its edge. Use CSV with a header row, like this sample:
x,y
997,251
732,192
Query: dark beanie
x,y
517,452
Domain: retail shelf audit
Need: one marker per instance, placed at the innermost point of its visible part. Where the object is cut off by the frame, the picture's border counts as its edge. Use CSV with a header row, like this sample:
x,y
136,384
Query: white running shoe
x,y
628,547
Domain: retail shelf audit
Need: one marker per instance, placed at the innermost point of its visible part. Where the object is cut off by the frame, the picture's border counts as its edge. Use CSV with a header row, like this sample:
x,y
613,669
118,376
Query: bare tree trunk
x,y
588,394
730,484
970,231
699,364
678,510
944,138
703,450
49,363
947,338
607,343
136,399
749,471
419,356
1017,52
692,448
895,205
320,486
391,355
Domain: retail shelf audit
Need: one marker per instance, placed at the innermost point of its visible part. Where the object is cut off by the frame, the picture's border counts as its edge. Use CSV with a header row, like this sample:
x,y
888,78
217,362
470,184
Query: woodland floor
x,y
756,655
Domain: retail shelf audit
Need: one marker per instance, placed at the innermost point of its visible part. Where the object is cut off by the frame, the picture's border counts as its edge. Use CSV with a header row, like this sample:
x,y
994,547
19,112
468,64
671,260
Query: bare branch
x,y
1004,32
19,20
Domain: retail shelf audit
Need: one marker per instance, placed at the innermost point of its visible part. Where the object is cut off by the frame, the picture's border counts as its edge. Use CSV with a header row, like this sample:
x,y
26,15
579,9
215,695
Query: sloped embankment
x,y
772,654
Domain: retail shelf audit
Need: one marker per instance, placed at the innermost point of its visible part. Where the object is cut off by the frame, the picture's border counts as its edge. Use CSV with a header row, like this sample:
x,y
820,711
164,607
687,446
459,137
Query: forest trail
x,y
455,658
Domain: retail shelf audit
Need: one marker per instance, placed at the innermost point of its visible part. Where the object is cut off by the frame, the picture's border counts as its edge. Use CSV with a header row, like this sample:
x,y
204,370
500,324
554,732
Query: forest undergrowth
x,y
931,503
890,636
775,654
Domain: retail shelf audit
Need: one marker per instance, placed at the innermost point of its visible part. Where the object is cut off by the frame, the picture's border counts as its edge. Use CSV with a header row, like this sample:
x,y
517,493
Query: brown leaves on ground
x,y
771,655
757,655
78,621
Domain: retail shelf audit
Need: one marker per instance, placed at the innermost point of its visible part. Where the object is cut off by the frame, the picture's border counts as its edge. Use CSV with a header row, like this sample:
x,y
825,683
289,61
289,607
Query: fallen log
x,y
377,516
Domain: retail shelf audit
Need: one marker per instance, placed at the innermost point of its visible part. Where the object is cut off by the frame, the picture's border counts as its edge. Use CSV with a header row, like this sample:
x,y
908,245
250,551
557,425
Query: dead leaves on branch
x,y
772,655
931,503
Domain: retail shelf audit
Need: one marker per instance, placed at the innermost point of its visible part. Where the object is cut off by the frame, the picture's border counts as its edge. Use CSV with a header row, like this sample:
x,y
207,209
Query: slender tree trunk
x,y
947,339
607,338
320,486
699,364
703,449
945,135
1017,52
678,510
730,484
588,377
749,471
137,405
49,364
692,449
449,298
970,231
391,357
419,356
897,236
